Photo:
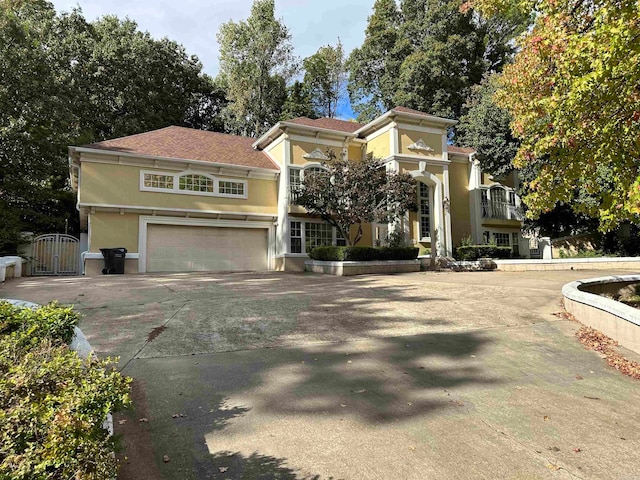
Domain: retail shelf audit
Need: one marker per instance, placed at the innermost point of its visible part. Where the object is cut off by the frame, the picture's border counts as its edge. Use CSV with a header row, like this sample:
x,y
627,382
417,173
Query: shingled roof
x,y
328,123
462,150
190,144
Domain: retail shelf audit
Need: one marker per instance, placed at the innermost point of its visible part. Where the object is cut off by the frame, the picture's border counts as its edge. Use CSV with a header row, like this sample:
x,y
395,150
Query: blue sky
x,y
195,23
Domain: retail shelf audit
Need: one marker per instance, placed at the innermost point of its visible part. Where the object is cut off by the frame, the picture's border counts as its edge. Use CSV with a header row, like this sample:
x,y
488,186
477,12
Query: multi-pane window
x,y
317,235
295,181
425,217
515,244
486,236
296,237
196,183
512,198
340,241
152,180
502,239
230,188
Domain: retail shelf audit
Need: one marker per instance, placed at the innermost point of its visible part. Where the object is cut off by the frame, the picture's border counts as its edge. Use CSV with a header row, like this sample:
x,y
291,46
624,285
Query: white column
x,y
475,207
282,228
447,211
394,139
438,222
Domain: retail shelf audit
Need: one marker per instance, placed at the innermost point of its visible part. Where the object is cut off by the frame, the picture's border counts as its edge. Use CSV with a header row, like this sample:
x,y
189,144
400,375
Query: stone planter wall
x,y
362,268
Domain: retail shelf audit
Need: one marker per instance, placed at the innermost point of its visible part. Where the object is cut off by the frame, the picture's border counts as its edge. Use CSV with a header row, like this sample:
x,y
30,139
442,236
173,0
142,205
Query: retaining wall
x,y
615,319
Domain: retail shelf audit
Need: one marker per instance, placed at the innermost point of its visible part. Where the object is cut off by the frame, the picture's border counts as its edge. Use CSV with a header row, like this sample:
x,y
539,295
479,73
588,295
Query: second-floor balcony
x,y
501,210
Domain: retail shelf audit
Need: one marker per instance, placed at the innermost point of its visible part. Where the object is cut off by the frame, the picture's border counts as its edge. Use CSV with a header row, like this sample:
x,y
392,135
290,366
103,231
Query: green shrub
x,y
474,252
363,254
399,253
52,403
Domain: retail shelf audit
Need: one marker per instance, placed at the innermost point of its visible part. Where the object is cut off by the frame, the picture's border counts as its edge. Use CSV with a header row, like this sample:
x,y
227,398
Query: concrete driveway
x,y
415,376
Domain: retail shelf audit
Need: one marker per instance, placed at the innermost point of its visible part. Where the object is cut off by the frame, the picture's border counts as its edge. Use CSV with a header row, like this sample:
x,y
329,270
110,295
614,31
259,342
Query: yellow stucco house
x,y
183,200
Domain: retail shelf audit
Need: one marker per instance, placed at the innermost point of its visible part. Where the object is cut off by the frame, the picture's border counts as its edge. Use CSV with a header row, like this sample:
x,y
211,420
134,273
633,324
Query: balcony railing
x,y
501,210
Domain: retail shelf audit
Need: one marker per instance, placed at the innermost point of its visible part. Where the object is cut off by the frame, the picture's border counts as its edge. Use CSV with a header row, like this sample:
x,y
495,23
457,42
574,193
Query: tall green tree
x,y
426,54
298,102
325,76
487,127
65,81
374,67
256,63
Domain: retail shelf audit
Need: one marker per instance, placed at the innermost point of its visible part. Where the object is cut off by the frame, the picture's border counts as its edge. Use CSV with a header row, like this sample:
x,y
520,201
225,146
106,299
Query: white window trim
x,y
428,198
303,235
176,184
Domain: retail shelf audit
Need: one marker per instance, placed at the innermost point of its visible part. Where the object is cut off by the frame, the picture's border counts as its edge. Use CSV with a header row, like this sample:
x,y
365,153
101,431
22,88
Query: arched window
x,y
196,183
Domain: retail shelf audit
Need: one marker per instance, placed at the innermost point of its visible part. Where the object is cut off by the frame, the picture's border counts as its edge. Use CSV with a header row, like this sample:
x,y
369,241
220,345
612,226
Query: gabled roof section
x,y
328,124
460,150
190,144
406,112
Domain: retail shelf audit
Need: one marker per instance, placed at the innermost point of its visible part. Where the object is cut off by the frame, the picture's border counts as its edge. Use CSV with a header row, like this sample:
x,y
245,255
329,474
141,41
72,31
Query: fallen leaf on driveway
x,y
579,377
343,405
546,418
144,420
349,361
166,459
361,391
121,422
223,469
577,450
554,449
551,466
412,448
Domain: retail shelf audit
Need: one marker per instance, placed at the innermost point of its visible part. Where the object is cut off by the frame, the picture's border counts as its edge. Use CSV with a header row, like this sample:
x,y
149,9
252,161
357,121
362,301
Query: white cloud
x,y
195,23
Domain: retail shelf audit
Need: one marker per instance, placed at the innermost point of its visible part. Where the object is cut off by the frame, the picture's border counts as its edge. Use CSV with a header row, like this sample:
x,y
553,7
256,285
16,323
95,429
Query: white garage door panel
x,y
177,248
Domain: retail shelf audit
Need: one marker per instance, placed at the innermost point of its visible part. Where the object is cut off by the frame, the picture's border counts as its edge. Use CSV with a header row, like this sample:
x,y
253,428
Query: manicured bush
x,y
398,253
52,403
363,254
474,252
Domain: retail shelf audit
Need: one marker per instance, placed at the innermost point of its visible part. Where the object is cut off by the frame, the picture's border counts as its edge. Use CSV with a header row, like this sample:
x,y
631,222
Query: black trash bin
x,y
113,260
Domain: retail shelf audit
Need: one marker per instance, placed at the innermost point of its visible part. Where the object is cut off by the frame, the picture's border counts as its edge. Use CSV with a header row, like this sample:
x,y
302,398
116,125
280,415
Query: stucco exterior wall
x,y
459,198
112,230
112,184
276,150
299,149
408,137
380,146
354,152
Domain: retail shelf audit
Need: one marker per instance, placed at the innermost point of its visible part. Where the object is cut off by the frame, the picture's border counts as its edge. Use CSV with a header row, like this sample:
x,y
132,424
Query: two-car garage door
x,y
182,248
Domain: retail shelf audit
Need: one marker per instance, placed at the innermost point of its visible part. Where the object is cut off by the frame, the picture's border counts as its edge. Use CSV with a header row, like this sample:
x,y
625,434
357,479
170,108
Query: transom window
x,y
192,184
196,183
424,212
231,188
152,180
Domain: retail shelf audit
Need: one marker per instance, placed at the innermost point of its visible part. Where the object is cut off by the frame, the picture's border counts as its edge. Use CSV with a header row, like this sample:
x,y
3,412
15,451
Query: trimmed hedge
x,y
363,254
52,403
474,252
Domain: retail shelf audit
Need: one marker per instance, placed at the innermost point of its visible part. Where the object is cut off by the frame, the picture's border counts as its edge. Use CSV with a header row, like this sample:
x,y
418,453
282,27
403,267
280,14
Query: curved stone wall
x,y
615,319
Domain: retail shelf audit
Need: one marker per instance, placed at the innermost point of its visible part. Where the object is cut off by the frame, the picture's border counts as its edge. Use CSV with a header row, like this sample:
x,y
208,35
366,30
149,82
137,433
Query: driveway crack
x,y
149,339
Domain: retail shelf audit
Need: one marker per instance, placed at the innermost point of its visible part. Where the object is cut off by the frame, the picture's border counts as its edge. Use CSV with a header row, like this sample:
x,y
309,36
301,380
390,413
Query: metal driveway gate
x,y
55,254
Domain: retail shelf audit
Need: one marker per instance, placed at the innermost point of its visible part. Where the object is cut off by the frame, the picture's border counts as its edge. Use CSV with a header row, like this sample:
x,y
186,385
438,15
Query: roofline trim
x,y
74,149
282,125
394,112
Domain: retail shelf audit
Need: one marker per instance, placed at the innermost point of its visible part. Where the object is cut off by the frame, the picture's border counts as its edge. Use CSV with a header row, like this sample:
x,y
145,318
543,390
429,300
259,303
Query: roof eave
x,y
74,149
282,125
